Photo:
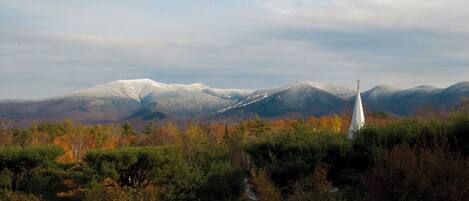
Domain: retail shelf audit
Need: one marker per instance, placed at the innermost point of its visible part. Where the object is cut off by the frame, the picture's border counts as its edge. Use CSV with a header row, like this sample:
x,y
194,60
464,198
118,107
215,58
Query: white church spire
x,y
358,116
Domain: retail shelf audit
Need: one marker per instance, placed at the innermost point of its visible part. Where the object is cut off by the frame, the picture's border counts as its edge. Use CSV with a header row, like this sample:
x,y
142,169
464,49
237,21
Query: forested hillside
x,y
413,158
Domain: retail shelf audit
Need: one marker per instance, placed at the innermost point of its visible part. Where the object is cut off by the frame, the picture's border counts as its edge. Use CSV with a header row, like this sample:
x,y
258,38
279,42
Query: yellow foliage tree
x,y
264,187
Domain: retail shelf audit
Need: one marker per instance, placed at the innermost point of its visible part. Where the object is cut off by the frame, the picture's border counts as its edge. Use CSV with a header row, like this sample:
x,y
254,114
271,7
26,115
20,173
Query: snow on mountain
x,y
122,100
380,91
424,89
298,98
459,87
247,101
128,99
132,89
141,89
339,91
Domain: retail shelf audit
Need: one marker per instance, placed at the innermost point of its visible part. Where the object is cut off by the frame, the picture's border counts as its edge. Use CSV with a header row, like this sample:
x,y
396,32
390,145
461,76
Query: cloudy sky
x,y
51,47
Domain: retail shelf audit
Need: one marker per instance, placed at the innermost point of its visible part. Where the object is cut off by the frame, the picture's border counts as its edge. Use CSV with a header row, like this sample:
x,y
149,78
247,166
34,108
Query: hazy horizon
x,y
50,48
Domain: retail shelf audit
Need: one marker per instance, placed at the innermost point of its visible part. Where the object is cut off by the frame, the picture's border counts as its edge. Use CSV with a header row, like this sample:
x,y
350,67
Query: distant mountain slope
x,y
297,99
408,101
451,96
306,98
146,99
400,102
127,99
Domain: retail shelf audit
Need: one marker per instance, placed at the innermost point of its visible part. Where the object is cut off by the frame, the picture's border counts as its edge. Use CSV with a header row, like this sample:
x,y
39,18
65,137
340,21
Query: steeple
x,y
358,116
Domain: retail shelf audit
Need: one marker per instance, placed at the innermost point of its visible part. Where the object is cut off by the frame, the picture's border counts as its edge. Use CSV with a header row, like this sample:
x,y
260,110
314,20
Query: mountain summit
x,y
127,99
142,89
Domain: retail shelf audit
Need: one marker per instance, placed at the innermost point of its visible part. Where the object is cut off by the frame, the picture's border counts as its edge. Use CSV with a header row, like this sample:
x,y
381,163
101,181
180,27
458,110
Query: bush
x,y
6,195
131,167
264,188
415,131
223,181
120,194
295,155
19,165
210,180
206,176
426,174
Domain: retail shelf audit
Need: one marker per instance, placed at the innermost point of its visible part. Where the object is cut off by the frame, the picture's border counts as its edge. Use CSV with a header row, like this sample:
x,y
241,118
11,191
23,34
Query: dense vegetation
x,y
413,158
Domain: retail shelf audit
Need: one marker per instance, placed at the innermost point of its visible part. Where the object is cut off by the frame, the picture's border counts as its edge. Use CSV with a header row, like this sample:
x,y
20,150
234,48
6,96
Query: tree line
x,y
392,158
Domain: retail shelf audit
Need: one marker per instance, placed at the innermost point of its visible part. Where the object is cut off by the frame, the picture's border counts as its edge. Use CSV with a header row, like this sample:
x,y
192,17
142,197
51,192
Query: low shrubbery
x,y
205,176
7,195
20,165
116,193
426,173
295,154
131,167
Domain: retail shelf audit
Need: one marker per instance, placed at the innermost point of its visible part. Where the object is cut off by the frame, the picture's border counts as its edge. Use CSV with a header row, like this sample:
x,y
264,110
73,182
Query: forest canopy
x,y
391,158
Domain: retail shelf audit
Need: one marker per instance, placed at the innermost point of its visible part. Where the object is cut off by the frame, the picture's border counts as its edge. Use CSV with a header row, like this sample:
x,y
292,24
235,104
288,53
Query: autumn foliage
x,y
392,158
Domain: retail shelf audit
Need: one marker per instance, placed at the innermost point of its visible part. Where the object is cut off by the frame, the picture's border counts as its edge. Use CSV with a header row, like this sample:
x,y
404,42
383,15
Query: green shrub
x,y
295,155
6,195
421,174
203,179
119,194
223,181
19,165
132,167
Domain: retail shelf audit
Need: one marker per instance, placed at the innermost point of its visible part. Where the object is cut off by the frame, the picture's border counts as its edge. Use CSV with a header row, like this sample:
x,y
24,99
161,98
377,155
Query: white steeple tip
x,y
358,116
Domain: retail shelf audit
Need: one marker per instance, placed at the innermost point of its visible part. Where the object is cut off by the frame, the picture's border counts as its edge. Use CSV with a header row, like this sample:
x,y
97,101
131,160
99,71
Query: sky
x,y
53,47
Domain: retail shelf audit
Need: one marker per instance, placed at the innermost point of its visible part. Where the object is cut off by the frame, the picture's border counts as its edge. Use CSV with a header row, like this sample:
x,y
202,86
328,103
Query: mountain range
x,y
145,99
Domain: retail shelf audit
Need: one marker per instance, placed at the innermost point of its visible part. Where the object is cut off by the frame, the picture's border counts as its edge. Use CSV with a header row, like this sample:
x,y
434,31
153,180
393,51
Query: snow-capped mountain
x,y
128,99
295,95
308,98
142,90
340,91
408,101
145,99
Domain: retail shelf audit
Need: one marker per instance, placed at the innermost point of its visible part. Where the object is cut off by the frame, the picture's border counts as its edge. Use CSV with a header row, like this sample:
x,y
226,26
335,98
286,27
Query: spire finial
x,y
358,84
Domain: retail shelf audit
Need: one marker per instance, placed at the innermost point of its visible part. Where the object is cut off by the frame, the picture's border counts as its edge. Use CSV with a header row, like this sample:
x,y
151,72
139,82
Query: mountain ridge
x,y
146,99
